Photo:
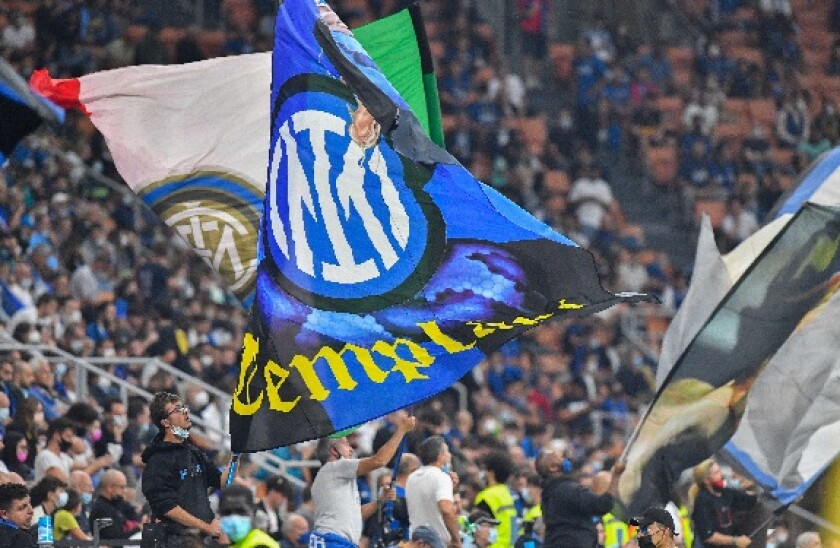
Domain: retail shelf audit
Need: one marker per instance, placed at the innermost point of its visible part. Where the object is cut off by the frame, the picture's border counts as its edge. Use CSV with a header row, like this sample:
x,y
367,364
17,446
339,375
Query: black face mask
x,y
645,542
64,445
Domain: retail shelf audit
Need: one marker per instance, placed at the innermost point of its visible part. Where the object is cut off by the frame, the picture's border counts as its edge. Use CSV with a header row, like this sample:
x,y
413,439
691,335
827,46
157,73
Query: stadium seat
x,y
782,156
753,55
763,111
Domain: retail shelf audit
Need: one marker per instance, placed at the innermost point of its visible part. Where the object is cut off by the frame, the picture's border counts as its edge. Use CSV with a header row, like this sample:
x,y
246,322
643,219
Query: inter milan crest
x,y
218,215
349,225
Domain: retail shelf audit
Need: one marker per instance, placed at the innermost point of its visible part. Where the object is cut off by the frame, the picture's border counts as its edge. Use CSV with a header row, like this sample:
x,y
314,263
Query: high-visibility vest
x,y
685,523
257,537
501,504
616,532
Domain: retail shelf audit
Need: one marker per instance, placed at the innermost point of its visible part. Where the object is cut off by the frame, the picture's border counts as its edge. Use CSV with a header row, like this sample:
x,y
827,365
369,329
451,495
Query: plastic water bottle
x,y
45,531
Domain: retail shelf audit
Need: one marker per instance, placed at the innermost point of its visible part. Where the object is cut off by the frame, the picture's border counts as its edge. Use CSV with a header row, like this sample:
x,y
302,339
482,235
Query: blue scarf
x,y
8,523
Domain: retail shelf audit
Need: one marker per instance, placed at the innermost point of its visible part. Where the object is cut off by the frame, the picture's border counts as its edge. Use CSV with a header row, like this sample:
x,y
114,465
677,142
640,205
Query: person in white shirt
x,y
430,492
339,513
53,459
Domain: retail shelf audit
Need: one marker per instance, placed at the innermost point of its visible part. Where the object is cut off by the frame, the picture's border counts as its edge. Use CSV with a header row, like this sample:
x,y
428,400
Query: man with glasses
x,y
177,477
656,529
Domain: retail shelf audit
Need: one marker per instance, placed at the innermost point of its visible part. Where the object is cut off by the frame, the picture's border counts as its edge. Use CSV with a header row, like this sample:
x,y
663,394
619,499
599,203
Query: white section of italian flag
x,y
164,121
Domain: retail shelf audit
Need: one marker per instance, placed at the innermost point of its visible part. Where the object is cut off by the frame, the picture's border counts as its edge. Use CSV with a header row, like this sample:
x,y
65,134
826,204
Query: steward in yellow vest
x,y
496,498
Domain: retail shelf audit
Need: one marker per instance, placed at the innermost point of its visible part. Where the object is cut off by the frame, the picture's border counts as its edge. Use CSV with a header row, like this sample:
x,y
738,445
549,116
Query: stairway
x,y
655,211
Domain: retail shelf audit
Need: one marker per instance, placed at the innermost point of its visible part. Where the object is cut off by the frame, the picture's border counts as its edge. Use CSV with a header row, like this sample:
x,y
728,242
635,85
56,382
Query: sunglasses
x,y
183,409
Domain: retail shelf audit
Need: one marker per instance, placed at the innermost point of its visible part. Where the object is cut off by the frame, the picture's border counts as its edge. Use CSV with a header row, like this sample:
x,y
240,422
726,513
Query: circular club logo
x,y
218,215
349,225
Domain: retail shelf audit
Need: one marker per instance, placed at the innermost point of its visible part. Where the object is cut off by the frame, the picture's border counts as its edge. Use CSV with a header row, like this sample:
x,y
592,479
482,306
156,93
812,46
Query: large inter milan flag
x,y
192,140
21,111
386,270
703,397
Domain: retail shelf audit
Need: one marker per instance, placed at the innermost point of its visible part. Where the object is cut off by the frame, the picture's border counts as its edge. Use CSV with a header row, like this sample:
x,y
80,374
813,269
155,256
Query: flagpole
x,y
234,462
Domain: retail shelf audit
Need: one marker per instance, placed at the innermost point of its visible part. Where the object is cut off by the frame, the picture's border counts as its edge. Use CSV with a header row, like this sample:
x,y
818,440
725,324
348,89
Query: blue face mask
x,y
87,498
180,433
493,536
446,468
235,527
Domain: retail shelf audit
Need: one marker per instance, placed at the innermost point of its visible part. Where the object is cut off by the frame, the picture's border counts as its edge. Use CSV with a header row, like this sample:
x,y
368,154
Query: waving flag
x,y
192,140
778,435
386,270
21,111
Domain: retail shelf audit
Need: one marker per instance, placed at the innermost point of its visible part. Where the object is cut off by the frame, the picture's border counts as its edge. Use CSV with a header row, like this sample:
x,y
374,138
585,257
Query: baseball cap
x,y
427,535
654,515
477,517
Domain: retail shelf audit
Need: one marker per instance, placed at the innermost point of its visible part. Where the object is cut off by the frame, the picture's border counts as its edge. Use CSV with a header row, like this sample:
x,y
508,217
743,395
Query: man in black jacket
x,y
15,517
111,504
178,474
568,507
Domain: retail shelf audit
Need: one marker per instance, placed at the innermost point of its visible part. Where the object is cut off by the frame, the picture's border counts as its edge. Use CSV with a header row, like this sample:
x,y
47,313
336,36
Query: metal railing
x,y
266,461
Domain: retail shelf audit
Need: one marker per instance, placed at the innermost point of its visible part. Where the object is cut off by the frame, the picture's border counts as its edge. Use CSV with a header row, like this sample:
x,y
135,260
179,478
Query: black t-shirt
x,y
714,514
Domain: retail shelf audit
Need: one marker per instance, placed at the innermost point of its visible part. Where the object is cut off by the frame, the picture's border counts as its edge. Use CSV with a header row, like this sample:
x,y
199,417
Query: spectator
x,y
15,517
54,459
495,498
809,539
274,505
236,508
338,512
65,523
294,532
178,501
430,492
110,503
713,507
569,508
484,529
700,107
591,198
16,453
80,482
48,496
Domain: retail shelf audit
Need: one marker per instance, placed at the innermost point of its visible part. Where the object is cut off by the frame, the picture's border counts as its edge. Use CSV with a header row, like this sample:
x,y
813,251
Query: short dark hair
x,y
73,499
322,450
59,425
500,464
429,450
158,406
47,485
280,485
10,492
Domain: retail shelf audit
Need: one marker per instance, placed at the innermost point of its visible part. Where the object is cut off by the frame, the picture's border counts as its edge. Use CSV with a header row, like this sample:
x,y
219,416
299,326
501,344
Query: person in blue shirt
x,y
15,516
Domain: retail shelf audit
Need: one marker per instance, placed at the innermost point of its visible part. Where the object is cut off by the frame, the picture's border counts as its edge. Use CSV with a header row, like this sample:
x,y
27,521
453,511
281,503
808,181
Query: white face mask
x,y
33,337
62,500
180,433
120,420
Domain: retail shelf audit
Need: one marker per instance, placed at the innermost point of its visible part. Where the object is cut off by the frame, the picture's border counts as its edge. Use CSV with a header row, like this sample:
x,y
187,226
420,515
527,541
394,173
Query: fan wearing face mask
x,y
714,506
656,529
54,459
236,509
48,496
177,476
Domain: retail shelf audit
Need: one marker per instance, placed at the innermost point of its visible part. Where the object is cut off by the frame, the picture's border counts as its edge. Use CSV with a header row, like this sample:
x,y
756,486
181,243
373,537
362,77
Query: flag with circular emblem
x,y
386,271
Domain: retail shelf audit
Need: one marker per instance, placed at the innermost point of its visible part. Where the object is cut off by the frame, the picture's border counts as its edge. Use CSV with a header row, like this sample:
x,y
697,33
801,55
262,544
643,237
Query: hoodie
x,y
178,474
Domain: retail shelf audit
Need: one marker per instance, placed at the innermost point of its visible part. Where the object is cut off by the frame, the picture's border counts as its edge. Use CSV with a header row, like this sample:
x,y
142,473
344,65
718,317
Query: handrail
x,y
265,460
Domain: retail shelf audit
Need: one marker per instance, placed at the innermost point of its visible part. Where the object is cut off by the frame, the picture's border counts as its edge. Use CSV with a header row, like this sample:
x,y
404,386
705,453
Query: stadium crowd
x,y
721,125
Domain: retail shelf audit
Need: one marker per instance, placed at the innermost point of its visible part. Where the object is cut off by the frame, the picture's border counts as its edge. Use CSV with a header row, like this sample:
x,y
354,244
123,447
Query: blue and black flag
x,y
21,110
386,271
